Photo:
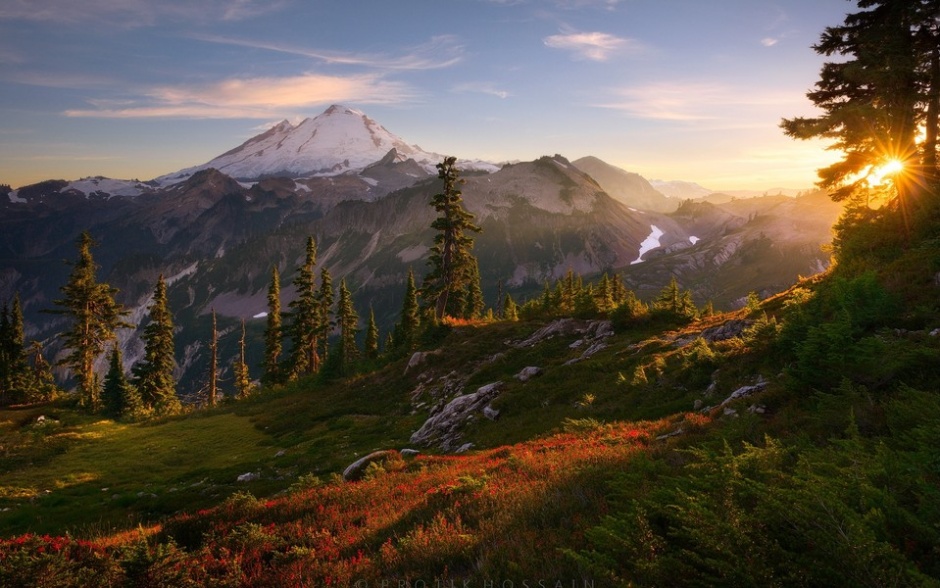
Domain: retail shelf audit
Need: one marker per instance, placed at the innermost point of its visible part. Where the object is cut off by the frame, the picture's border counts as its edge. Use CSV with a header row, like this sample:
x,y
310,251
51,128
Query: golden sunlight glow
x,y
885,172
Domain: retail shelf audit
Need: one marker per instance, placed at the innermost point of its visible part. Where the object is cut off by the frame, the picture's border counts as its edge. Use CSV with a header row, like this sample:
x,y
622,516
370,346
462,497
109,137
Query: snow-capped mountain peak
x,y
340,140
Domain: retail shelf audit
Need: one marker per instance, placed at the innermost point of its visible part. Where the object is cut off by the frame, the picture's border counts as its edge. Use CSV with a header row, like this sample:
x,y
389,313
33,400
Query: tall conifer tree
x,y
348,321
510,308
371,344
325,324
273,334
95,317
153,376
451,255
474,297
14,370
410,322
884,84
5,344
304,317
243,385
42,386
213,392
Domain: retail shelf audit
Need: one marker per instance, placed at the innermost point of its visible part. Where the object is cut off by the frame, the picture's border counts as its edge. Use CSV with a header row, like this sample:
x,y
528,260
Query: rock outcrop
x,y
444,427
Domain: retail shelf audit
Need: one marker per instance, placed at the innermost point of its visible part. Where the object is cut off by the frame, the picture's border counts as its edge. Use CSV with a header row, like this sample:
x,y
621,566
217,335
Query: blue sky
x,y
670,89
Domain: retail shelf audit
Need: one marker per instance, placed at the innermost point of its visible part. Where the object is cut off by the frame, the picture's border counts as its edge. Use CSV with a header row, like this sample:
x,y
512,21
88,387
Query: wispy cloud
x,y
135,13
769,41
480,88
11,56
693,101
593,46
262,98
439,52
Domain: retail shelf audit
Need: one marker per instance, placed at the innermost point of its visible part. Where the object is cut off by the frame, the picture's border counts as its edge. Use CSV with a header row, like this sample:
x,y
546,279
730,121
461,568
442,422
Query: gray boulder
x,y
529,372
356,469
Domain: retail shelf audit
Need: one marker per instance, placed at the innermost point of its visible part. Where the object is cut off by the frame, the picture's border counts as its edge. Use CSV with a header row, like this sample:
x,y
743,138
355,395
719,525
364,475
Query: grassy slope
x,y
533,505
90,476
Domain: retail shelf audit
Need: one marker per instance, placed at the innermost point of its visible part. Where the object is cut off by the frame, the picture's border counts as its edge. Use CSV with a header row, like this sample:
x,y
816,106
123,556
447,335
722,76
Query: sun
x,y
886,171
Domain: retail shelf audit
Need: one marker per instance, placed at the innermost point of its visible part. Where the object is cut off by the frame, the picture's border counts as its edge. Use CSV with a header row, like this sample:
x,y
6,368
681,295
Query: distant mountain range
x,y
215,231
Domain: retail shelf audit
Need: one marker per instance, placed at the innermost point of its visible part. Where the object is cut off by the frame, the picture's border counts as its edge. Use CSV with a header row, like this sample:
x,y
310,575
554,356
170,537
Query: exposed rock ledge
x,y
443,428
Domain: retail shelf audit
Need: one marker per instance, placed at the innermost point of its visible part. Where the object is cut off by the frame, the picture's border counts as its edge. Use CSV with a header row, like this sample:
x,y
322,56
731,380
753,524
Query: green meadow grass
x,y
90,477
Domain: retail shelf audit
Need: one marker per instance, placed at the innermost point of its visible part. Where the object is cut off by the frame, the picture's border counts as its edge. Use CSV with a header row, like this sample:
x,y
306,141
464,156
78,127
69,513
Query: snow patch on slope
x,y
648,244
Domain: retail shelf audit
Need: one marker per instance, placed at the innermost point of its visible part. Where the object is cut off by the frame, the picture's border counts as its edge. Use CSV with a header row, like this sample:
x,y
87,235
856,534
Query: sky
x,y
670,89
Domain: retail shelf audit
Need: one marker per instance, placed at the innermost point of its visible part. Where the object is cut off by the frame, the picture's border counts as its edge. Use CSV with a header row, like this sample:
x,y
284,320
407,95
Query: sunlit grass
x,y
103,472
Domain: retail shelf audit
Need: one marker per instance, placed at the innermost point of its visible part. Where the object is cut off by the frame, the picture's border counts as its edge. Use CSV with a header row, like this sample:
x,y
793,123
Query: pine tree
x,y
372,337
410,322
95,317
243,386
510,309
545,301
883,86
120,397
153,376
670,297
604,294
305,323
272,333
14,371
213,392
499,299
5,344
474,294
585,304
451,257
569,292
325,324
348,328
42,386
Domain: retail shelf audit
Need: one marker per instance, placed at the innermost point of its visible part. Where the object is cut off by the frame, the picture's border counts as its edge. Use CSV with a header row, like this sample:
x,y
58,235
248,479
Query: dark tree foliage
x,y
305,318
324,300
120,397
94,316
273,334
153,376
451,257
407,329
371,344
213,392
510,309
243,385
883,86
673,300
41,385
348,321
474,294
13,365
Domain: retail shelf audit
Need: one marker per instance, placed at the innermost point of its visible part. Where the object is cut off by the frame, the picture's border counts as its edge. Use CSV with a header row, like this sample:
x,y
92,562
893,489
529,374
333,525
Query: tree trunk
x,y
932,117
